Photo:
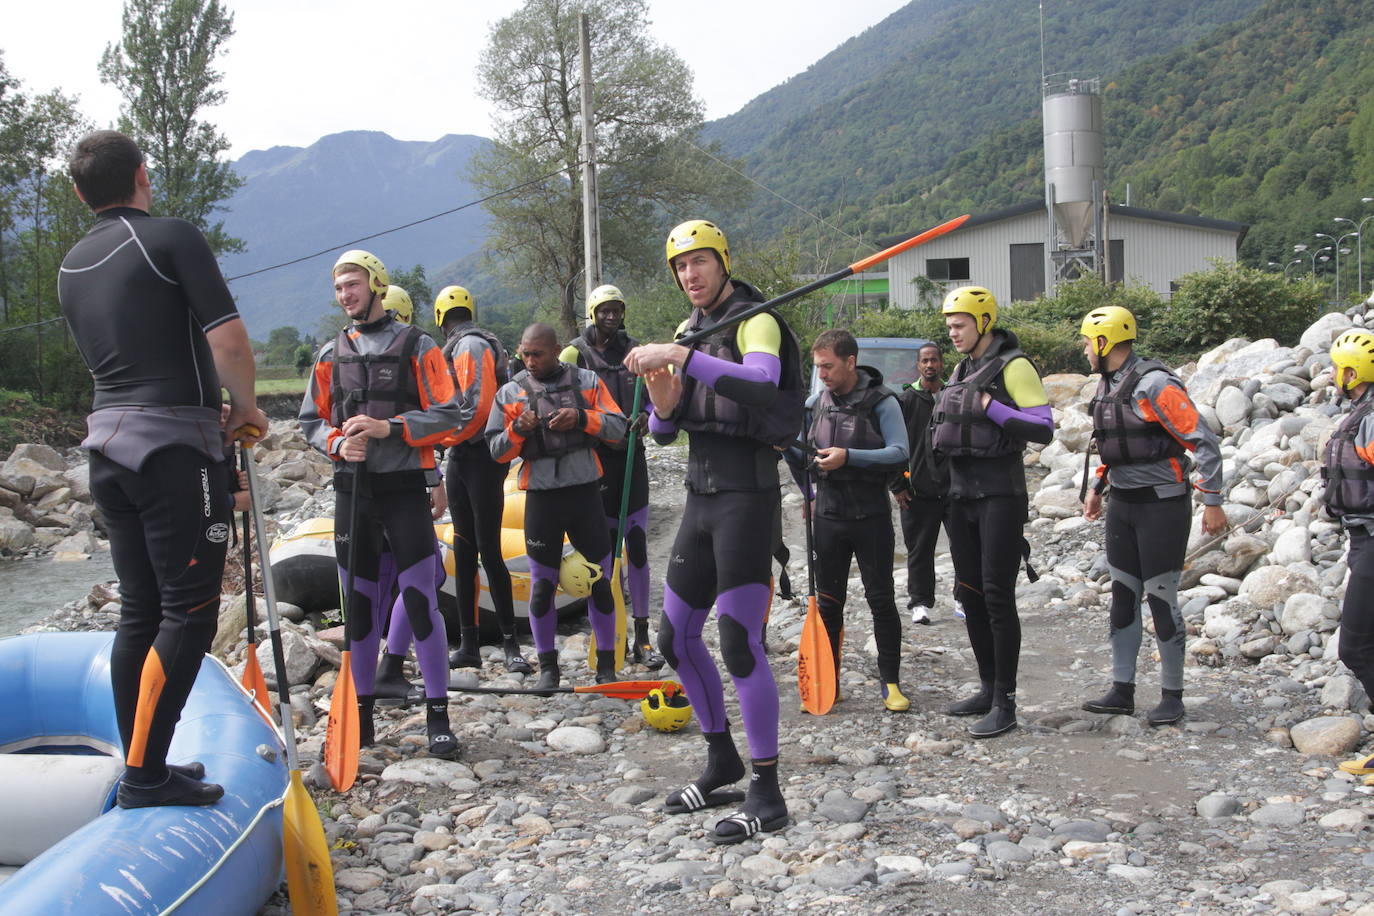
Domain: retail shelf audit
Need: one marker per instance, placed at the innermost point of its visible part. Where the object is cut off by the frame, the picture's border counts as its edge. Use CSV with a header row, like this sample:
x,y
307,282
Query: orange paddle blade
x,y
341,734
256,684
815,663
309,873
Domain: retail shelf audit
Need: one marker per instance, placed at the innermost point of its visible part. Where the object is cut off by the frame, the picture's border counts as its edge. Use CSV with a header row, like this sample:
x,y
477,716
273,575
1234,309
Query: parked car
x,y
894,357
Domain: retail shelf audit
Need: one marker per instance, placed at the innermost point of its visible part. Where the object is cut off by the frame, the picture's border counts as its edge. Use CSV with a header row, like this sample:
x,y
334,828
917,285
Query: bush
x,y
1231,300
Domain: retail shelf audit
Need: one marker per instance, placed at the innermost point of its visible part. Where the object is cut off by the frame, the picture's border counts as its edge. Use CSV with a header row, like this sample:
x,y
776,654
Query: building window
x,y
947,268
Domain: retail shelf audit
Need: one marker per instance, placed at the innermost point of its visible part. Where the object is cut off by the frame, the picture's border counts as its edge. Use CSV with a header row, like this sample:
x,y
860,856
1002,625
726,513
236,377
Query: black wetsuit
x,y
139,294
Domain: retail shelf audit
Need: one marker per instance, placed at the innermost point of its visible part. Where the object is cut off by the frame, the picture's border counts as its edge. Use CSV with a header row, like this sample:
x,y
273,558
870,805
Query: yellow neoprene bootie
x,y
893,699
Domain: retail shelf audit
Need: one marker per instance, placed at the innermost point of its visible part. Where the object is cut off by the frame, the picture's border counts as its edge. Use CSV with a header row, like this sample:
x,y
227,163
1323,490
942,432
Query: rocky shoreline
x,y
555,804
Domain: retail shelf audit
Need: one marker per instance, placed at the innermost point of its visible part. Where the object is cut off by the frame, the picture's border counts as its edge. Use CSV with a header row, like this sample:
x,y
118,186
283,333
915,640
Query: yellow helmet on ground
x,y
975,301
1113,322
576,575
667,712
600,295
377,277
693,235
398,300
452,297
1354,350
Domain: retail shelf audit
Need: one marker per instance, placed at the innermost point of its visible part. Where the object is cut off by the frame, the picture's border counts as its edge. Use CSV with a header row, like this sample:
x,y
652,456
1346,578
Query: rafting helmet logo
x,y
667,712
577,575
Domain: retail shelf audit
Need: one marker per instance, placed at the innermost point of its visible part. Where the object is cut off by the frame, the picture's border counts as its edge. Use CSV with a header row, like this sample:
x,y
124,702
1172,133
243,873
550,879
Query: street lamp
x,y
1312,260
1359,245
1336,244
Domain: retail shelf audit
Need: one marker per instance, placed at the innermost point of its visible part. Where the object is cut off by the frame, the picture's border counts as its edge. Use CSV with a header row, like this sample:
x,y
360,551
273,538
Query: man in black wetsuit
x,y
154,321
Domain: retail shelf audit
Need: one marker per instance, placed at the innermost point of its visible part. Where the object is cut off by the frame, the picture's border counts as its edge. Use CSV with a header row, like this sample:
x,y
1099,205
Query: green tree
x,y
163,67
304,359
281,346
644,109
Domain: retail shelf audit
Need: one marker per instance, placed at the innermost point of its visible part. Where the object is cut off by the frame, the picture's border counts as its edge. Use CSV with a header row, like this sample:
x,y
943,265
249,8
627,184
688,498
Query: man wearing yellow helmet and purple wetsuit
x,y
1146,429
737,393
1348,471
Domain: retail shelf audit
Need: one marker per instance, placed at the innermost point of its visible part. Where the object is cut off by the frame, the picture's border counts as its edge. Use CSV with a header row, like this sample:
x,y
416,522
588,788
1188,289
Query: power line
x,y
383,232
36,324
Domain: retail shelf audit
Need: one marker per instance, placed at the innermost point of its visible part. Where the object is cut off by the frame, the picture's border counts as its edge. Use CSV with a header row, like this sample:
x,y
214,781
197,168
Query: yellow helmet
x,y
1110,321
667,710
576,575
452,297
1354,350
975,301
398,300
693,235
377,277
602,294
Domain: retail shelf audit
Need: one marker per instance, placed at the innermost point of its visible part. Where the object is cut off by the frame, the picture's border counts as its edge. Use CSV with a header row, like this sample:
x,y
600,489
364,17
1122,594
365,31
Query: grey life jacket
x,y
1349,478
619,381
848,421
960,425
380,385
546,397
1122,437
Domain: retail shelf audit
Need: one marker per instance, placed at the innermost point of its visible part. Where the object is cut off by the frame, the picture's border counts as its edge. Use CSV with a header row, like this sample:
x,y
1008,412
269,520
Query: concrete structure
x,y
1005,251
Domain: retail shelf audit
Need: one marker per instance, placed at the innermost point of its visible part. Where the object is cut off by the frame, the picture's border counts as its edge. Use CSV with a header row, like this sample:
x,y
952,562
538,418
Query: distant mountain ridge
x,y
296,201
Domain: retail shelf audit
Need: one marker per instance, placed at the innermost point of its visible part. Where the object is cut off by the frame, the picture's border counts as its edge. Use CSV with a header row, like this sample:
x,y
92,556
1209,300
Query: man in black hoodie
x,y
922,492
993,405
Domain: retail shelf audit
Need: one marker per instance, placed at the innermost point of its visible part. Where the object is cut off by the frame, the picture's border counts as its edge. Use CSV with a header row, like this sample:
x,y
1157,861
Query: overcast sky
x,y
296,71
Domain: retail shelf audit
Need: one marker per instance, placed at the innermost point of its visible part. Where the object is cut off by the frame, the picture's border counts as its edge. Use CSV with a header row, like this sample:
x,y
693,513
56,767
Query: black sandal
x,y
690,798
748,824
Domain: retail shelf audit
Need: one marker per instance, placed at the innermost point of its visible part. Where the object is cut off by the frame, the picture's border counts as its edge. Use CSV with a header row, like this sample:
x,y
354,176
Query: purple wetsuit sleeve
x,y
1034,424
753,382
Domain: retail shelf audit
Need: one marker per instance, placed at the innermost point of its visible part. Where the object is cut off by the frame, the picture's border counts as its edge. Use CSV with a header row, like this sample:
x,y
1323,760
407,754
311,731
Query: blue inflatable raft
x,y
65,848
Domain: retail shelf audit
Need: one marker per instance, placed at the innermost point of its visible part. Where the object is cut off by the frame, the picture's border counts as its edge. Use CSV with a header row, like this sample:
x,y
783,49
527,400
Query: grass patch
x,y
291,385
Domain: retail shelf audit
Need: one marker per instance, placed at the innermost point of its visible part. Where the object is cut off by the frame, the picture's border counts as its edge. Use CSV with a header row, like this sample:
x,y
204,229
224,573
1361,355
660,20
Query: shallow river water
x,y
32,589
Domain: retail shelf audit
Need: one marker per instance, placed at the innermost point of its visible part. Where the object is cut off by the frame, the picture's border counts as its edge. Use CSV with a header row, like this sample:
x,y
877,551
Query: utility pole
x,y
591,216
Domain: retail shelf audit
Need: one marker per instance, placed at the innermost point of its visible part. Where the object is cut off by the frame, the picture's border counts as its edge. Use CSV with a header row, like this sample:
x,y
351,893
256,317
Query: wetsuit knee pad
x,y
1125,603
734,647
1166,624
636,546
602,597
541,596
417,612
359,616
665,641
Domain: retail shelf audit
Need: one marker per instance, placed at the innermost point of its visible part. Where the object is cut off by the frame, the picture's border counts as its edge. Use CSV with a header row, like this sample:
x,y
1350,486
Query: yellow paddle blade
x,y
341,734
309,874
815,663
618,597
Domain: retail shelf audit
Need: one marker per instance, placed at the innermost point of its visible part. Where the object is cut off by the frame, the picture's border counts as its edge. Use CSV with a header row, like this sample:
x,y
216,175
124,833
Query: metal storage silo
x,y
1074,161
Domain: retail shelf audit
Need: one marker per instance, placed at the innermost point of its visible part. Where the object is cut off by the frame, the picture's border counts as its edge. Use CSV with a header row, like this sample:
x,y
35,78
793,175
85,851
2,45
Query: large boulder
x,y
15,535
44,455
1271,585
1065,389
1307,611
1324,330
1329,736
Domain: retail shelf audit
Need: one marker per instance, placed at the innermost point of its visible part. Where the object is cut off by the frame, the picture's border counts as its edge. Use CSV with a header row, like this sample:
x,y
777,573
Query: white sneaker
x,y
920,614
959,609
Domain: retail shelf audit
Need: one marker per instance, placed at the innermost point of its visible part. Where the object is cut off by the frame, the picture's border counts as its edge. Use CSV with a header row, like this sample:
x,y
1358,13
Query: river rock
x,y
1279,814
1320,334
1269,585
1305,611
1217,805
1343,692
1232,407
15,535
428,771
301,660
1293,546
1058,503
576,739
1066,388
1328,736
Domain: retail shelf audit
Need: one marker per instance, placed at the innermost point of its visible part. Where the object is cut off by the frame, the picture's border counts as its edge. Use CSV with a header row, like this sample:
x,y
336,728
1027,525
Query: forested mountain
x,y
863,125
295,202
1269,121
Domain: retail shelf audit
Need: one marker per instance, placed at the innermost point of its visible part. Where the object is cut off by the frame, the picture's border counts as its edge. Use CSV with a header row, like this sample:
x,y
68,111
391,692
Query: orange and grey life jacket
x,y
702,409
1349,478
500,359
378,385
619,381
961,425
545,397
1122,436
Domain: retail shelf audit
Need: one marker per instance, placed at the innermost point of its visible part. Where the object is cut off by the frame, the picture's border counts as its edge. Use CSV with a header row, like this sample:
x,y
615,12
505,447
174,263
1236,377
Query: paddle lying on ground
x,y
857,267
341,732
621,690
252,679
618,548
309,874
815,657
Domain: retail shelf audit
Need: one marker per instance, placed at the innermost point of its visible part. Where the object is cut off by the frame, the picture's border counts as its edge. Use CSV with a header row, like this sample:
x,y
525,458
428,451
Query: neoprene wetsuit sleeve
x,y
1161,399
317,406
754,381
895,450
1031,419
474,369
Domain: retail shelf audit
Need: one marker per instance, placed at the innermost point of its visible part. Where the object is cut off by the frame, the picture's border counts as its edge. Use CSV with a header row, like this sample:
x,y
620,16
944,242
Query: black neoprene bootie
x,y
176,789
466,655
644,652
366,735
442,743
978,704
999,720
548,672
1120,700
1169,710
515,659
391,683
605,666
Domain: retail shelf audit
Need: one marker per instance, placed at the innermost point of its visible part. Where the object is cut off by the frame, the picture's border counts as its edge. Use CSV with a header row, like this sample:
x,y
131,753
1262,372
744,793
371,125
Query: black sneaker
x,y
176,789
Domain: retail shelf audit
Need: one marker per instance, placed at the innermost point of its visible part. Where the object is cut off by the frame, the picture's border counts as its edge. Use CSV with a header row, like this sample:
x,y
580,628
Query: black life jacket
x,y
848,421
545,397
701,409
960,425
619,381
1349,478
380,386
1122,437
498,351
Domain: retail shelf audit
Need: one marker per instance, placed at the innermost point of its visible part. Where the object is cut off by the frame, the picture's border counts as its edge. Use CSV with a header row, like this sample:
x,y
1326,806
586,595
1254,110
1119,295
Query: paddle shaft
x,y
273,620
837,276
624,690
630,441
